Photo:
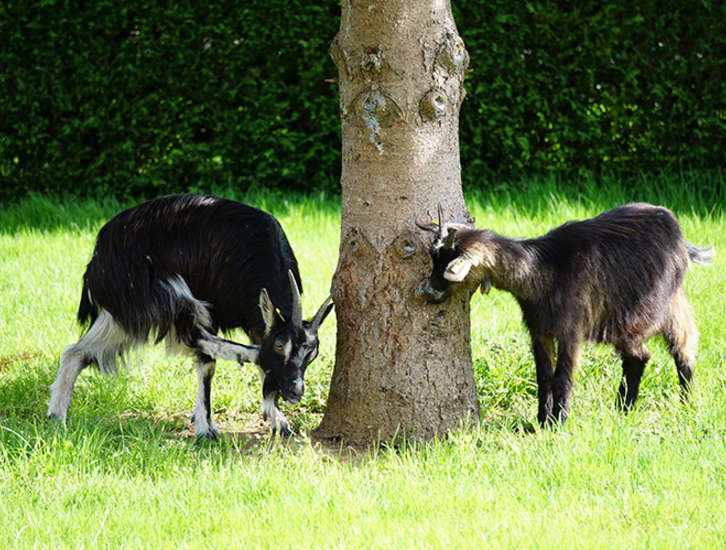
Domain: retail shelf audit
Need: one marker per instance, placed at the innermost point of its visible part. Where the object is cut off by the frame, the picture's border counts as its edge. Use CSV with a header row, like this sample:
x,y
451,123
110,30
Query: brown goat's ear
x,y
458,269
267,310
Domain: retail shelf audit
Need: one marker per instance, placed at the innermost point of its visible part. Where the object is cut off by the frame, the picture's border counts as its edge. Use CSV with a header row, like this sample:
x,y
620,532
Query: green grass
x,y
126,472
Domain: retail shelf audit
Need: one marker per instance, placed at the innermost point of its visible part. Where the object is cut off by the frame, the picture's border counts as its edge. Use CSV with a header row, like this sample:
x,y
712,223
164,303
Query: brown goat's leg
x,y
567,354
681,336
543,351
633,365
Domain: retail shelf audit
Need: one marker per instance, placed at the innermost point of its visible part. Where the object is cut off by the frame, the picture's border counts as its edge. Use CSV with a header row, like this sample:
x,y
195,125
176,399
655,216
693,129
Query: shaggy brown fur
x,y
616,278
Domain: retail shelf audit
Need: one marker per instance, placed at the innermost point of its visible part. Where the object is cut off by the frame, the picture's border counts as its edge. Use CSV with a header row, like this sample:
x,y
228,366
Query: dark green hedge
x,y
586,87
145,97
142,98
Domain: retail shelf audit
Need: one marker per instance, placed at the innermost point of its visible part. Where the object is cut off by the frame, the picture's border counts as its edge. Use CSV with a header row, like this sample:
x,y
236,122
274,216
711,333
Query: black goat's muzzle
x,y
293,393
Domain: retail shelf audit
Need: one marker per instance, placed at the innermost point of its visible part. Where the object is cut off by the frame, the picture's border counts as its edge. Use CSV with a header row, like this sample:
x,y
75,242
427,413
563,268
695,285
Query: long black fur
x,y
223,250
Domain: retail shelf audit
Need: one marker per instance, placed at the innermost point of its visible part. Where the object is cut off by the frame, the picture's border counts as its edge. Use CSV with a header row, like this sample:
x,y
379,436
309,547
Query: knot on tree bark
x,y
372,62
433,105
375,105
377,110
452,56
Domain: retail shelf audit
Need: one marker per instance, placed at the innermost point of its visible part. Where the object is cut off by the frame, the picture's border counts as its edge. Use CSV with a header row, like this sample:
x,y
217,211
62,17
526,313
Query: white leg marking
x,y
60,391
223,349
204,426
104,341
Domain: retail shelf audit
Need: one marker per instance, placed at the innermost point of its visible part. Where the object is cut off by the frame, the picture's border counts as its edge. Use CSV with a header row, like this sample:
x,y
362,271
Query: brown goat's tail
x,y
701,256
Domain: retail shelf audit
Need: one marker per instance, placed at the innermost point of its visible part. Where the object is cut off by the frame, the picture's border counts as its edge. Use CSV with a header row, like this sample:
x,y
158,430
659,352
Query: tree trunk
x,y
403,367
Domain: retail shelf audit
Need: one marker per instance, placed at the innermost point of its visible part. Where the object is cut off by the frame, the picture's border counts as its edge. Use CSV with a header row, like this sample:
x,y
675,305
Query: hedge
x,y
143,98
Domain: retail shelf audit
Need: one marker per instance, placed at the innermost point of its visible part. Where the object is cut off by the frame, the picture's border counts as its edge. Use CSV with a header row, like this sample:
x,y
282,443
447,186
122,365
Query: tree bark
x,y
402,367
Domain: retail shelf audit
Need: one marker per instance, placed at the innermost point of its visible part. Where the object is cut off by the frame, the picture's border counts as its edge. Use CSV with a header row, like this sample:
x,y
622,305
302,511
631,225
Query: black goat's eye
x,y
279,348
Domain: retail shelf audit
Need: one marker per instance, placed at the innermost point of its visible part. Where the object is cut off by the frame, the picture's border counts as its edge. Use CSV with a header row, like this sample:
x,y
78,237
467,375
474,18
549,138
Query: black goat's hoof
x,y
282,431
209,436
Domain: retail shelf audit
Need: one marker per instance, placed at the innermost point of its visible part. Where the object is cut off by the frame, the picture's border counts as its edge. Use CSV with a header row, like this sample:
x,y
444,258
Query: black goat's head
x,y
289,345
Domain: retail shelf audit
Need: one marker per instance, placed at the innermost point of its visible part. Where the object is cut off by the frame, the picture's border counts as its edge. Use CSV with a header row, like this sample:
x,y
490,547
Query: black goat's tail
x,y
701,256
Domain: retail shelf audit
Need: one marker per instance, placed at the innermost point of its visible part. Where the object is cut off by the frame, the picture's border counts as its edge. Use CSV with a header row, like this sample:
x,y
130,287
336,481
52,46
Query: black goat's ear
x,y
267,310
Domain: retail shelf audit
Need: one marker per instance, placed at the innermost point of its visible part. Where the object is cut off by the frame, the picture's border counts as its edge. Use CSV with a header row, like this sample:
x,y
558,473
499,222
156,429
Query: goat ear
x,y
457,270
267,310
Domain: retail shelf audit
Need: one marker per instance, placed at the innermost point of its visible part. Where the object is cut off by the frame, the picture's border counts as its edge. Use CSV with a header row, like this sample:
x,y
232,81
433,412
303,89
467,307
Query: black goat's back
x,y
225,251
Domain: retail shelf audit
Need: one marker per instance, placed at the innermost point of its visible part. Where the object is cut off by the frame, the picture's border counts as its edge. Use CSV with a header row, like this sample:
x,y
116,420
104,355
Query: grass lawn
x,y
125,472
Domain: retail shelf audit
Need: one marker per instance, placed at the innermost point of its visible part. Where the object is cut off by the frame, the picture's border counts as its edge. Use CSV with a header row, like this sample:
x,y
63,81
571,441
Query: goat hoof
x,y
282,431
208,436
55,419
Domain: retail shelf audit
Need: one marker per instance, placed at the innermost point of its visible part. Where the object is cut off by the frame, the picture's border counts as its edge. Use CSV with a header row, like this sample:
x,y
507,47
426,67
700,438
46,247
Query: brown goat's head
x,y
453,256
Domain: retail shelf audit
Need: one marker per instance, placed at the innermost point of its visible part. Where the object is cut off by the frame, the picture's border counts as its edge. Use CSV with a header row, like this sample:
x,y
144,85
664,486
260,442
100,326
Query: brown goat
x,y
616,278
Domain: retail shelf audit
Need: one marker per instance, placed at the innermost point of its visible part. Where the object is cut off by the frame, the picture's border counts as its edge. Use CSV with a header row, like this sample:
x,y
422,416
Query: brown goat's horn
x,y
441,221
430,226
449,244
296,316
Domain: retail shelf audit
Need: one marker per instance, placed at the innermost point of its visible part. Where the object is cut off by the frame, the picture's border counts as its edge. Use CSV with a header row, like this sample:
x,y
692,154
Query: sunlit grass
x,y
126,472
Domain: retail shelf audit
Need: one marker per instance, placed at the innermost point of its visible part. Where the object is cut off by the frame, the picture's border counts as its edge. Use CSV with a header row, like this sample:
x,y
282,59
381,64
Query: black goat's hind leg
x,y
104,341
567,352
73,361
543,351
633,366
681,336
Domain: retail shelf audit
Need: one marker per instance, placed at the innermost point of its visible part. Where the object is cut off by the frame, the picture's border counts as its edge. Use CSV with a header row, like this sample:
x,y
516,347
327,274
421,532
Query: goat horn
x,y
323,311
441,221
296,315
430,226
449,244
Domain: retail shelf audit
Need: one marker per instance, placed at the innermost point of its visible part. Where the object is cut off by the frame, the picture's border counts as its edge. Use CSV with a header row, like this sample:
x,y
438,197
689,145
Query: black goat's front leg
x,y
207,348
567,354
204,426
633,366
543,350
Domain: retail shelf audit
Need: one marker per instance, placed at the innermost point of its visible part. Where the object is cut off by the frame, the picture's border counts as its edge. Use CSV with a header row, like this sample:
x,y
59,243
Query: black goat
x,y
616,278
182,267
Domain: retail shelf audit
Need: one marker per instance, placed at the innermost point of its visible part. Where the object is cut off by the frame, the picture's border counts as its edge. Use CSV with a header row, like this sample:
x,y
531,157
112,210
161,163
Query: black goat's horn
x,y
296,314
322,313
